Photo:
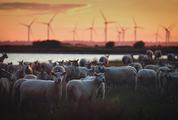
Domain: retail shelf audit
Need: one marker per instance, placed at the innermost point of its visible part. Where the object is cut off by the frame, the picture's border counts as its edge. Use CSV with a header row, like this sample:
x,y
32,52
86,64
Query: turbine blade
x,y
32,21
163,27
93,22
109,22
52,18
134,21
102,14
24,24
43,23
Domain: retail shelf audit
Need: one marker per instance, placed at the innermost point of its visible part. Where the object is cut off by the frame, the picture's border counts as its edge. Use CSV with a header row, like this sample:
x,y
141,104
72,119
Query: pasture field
x,y
121,103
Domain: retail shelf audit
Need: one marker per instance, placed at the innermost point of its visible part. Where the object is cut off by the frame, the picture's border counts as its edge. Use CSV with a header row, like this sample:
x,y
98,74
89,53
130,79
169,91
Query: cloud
x,y
39,6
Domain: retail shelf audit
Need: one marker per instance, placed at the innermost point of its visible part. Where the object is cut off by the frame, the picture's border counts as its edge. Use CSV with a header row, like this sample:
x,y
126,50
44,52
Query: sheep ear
x,y
63,73
96,74
53,73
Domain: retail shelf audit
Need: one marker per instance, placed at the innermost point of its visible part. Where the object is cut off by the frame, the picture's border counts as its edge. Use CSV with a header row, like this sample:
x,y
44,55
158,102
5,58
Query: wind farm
x,y
88,60
105,35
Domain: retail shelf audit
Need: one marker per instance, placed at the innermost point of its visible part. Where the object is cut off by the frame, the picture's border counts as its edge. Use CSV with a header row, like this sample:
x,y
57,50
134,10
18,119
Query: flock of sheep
x,y
74,81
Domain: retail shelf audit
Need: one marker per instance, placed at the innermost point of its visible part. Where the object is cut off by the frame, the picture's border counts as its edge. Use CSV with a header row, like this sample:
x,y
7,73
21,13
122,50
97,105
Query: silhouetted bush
x,y
110,44
47,43
139,44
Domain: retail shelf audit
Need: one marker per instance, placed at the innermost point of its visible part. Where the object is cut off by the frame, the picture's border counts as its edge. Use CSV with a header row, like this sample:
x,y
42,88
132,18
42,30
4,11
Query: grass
x,y
121,103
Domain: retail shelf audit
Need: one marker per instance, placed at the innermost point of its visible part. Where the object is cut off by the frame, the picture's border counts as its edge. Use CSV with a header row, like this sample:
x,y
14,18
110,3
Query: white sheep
x,y
104,60
146,79
86,88
42,91
162,73
127,59
119,76
136,65
152,67
4,87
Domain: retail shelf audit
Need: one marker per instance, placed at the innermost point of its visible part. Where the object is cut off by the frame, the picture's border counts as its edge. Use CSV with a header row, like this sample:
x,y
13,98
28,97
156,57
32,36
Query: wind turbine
x,y
123,30
157,36
28,26
74,31
135,29
48,24
118,34
106,22
168,32
91,29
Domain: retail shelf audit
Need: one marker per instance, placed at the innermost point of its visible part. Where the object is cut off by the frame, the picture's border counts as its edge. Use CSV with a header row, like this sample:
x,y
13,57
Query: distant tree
x,y
47,43
110,44
139,44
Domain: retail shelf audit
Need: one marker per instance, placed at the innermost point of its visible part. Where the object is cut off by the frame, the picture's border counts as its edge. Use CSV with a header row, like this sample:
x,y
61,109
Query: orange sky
x,y
148,14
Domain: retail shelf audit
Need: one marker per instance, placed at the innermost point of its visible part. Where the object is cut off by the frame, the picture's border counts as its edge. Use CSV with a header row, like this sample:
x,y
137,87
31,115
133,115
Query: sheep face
x,y
58,76
100,77
5,55
99,69
58,69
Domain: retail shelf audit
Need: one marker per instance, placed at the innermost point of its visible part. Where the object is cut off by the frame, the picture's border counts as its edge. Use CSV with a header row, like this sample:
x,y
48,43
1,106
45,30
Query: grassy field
x,y
121,103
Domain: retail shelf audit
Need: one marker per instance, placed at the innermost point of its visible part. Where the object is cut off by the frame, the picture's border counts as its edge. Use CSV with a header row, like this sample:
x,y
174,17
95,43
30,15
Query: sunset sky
x,y
149,14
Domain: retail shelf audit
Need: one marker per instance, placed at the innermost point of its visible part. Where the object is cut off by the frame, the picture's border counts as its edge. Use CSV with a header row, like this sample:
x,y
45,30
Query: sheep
x,y
146,59
117,76
143,59
30,76
75,72
146,80
158,55
83,62
4,87
127,59
162,73
170,88
16,87
171,57
16,91
153,67
86,88
149,53
4,73
40,92
104,60
136,65
4,56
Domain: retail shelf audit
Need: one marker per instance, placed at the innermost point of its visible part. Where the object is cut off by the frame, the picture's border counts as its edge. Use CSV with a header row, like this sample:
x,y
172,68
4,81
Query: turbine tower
x,y
91,29
74,31
28,26
168,32
106,22
123,30
48,24
118,34
157,36
135,29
